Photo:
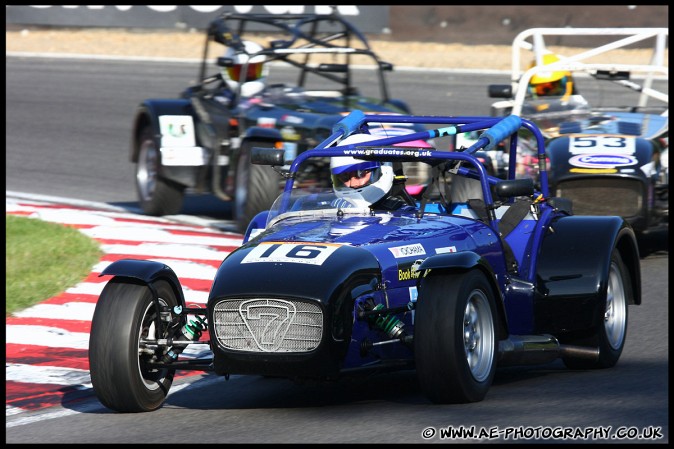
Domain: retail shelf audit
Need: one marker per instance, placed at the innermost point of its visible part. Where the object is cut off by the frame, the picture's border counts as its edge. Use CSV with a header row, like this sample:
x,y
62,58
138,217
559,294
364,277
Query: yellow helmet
x,y
555,83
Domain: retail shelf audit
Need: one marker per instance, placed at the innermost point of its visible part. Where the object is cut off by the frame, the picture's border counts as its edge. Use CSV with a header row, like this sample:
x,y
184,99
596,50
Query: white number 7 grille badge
x,y
268,321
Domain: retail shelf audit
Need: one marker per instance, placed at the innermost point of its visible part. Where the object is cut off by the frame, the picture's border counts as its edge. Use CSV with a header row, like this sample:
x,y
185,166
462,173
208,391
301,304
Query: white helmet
x,y
343,168
255,74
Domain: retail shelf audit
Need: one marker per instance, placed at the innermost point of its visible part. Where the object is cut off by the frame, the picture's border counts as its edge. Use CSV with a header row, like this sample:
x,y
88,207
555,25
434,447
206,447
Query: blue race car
x,y
329,283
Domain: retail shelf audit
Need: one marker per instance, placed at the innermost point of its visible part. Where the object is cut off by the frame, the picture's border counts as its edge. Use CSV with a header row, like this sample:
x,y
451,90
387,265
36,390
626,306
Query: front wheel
x,y
125,314
611,328
157,196
257,186
455,337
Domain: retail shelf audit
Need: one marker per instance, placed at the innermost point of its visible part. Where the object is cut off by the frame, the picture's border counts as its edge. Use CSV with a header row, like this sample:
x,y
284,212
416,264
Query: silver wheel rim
x,y
151,378
478,335
146,171
615,316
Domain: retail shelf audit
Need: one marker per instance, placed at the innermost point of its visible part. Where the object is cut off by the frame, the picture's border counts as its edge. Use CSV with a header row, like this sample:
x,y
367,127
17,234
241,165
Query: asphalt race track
x,y
67,136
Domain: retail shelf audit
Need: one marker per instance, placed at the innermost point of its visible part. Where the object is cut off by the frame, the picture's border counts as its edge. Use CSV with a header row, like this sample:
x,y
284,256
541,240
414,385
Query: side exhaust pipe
x,y
538,350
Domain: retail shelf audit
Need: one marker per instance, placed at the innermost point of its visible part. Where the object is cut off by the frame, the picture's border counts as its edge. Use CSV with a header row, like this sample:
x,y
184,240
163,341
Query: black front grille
x,y
603,196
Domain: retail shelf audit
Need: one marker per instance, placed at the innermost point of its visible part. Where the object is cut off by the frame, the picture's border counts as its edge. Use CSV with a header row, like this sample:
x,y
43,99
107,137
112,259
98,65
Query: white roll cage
x,y
533,40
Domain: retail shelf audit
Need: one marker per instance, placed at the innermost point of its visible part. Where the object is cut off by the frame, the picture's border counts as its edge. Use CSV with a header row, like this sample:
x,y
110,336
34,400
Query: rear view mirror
x,y
267,156
499,91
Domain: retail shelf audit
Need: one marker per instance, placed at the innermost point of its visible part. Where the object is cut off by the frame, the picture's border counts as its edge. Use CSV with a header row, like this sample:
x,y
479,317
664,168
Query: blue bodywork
x,y
390,251
323,287
547,261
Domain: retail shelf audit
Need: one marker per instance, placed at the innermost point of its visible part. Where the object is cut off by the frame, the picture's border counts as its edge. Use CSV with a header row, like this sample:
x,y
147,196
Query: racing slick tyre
x,y
157,196
455,337
611,328
257,186
124,315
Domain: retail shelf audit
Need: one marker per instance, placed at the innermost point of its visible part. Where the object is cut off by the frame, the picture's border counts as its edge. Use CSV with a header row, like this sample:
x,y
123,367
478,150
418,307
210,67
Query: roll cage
x,y
297,40
497,130
531,45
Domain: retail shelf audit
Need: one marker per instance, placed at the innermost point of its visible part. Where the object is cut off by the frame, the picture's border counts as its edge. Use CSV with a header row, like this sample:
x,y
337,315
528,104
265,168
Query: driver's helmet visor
x,y
356,175
551,88
253,72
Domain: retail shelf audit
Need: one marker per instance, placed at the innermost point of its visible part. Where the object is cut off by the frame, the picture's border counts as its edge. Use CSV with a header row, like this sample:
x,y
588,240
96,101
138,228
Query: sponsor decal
x,y
413,294
446,249
183,156
416,249
593,170
178,142
410,272
601,144
407,274
282,252
415,266
266,122
289,133
177,131
602,160
388,152
292,119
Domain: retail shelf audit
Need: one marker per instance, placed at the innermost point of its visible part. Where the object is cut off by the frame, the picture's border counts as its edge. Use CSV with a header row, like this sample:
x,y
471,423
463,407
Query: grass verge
x,y
43,259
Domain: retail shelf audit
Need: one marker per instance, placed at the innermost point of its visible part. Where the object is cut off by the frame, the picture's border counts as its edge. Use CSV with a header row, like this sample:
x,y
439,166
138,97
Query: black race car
x,y
201,142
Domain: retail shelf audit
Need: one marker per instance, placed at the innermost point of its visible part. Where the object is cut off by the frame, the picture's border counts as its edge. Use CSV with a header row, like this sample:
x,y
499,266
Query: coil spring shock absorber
x,y
191,331
389,323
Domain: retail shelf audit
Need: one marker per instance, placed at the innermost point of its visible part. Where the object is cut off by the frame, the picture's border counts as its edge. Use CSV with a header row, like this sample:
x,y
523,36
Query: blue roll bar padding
x,y
501,131
350,123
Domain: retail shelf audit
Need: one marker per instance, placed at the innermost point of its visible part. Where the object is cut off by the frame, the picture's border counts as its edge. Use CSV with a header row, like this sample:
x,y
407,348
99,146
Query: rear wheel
x,y
257,186
612,324
157,196
455,337
124,315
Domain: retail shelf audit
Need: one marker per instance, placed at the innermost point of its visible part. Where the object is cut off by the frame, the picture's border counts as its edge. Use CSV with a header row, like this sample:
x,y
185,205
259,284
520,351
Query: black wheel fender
x,y
448,263
610,332
575,256
148,272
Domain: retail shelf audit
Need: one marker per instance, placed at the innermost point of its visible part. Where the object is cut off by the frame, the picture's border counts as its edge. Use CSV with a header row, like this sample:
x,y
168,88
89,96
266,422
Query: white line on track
x,y
166,250
182,268
45,336
15,419
24,54
149,234
90,288
54,375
